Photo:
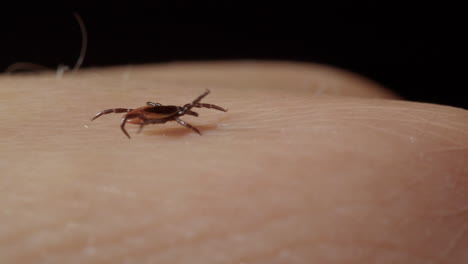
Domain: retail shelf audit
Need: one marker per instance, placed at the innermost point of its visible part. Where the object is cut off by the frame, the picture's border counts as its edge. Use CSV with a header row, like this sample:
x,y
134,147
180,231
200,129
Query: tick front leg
x,y
187,125
196,101
192,113
211,106
108,111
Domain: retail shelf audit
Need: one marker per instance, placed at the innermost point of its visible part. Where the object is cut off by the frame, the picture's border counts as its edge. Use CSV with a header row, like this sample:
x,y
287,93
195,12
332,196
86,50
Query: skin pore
x,y
310,165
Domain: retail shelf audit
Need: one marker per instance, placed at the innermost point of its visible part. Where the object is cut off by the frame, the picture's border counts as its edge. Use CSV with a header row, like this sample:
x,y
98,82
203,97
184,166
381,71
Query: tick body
x,y
155,113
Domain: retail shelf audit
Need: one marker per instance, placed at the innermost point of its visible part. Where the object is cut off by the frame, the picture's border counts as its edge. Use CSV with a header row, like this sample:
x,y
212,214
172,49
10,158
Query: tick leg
x,y
108,111
200,105
122,126
187,125
124,121
141,128
196,101
192,113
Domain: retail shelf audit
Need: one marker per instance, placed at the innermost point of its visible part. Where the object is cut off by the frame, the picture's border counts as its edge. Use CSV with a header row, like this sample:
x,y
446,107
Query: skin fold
x,y
311,164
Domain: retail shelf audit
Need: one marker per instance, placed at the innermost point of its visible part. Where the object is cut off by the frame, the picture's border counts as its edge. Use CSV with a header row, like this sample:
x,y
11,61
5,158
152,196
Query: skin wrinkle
x,y
381,106
391,112
385,130
426,131
422,133
459,149
425,121
313,119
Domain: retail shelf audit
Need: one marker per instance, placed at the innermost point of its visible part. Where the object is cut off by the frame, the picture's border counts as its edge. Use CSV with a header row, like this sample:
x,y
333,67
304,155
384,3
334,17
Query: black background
x,y
416,52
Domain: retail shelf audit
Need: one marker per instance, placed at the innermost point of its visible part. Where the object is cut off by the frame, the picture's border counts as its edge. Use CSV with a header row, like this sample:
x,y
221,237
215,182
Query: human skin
x,y
309,165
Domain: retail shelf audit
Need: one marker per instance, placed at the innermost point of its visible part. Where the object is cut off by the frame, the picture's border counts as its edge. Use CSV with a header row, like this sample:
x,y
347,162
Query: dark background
x,y
416,52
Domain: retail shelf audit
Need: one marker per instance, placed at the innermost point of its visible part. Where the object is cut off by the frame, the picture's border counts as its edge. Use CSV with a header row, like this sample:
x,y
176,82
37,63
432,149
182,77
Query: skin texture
x,y
309,165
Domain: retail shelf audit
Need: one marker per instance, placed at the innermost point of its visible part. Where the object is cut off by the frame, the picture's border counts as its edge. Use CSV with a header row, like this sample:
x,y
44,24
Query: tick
x,y
156,113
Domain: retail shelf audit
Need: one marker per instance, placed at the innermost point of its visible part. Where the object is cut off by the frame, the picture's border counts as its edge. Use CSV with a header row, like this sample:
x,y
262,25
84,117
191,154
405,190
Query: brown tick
x,y
155,113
